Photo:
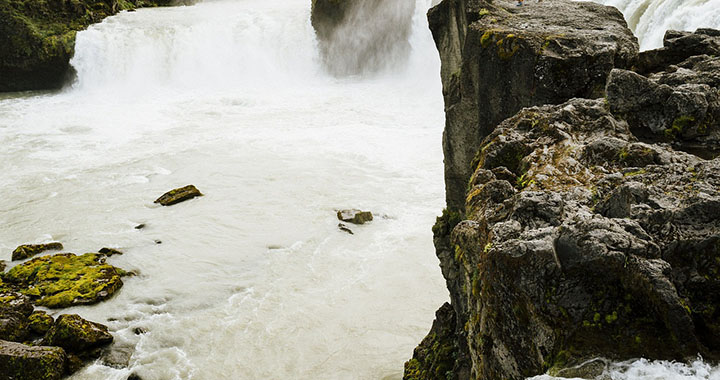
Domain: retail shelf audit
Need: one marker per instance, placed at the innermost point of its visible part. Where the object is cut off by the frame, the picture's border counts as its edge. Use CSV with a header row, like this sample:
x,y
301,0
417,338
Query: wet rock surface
x,y
77,335
355,216
64,279
582,228
29,250
178,195
22,362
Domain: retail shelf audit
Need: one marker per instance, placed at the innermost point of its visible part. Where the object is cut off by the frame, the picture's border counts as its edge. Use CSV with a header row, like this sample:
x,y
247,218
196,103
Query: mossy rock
x,y
77,335
29,250
22,362
355,216
178,195
40,322
66,279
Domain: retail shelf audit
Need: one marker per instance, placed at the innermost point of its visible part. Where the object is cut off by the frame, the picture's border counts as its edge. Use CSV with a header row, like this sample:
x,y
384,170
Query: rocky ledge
x,y
576,228
37,38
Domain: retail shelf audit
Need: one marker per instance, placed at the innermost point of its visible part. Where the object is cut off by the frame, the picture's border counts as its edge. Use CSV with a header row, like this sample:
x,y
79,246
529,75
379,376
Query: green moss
x,y
65,279
486,38
678,125
483,12
446,222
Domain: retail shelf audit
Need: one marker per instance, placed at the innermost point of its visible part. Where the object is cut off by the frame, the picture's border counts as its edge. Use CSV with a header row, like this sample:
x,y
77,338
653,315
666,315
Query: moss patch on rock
x,y
65,279
29,250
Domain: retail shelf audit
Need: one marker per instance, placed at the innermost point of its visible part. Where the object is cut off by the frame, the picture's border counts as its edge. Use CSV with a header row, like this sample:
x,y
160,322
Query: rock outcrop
x,y
37,39
582,228
64,279
178,195
29,250
498,58
358,36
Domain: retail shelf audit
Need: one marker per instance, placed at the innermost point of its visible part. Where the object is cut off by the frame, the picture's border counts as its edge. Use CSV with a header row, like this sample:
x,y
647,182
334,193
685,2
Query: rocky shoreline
x,y
583,193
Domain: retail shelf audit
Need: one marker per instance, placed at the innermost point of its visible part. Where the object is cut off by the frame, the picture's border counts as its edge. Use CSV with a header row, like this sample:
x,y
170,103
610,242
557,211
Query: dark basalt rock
x,y
603,246
680,102
355,216
178,195
498,58
358,36
65,279
29,250
77,335
21,362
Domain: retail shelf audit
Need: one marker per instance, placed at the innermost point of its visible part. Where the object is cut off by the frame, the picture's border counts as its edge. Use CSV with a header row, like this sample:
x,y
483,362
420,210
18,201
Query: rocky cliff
x,y
583,193
37,38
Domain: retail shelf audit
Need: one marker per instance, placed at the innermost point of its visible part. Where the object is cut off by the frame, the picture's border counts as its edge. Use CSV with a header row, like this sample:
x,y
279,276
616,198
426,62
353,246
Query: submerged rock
x,y
342,227
21,362
109,251
77,335
178,195
355,216
28,250
358,36
65,279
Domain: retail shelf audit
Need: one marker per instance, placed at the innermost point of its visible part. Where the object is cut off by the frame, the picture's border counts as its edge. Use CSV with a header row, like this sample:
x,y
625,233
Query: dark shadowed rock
x,y
77,335
345,228
3,264
65,279
178,195
677,47
28,250
13,326
498,58
604,246
358,36
355,216
21,362
109,251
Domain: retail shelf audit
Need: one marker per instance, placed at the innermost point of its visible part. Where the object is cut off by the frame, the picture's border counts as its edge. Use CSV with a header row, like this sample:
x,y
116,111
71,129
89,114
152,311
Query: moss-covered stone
x,y
178,195
355,216
29,250
65,279
77,335
22,362
40,322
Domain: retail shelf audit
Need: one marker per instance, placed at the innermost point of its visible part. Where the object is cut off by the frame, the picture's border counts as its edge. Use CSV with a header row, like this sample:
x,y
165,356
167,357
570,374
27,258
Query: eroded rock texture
x,y
582,228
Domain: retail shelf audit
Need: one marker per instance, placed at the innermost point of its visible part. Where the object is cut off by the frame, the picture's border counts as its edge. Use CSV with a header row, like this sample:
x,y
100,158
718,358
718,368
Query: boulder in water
x,y
22,362
64,280
77,335
355,216
40,322
29,250
178,195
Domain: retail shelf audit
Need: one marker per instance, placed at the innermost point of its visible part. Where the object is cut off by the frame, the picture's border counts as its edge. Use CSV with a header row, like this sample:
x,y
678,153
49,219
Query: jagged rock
x,y
498,58
40,322
65,279
178,195
29,250
679,103
77,335
355,216
677,47
109,251
604,246
21,362
358,36
37,39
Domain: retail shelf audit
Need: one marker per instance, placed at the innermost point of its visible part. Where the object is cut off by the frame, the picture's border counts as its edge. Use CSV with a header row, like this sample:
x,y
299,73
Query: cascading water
x,y
649,19
254,280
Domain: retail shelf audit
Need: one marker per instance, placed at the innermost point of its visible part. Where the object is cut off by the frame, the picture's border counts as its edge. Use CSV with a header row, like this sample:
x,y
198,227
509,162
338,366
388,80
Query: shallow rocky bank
x,y
583,193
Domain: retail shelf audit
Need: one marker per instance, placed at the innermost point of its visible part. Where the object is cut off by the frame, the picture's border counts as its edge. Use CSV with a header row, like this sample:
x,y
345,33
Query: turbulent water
x,y
649,19
254,280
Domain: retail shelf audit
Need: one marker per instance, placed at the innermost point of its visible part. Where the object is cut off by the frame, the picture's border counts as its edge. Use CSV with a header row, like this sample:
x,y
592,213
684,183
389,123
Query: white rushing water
x,y
649,19
254,280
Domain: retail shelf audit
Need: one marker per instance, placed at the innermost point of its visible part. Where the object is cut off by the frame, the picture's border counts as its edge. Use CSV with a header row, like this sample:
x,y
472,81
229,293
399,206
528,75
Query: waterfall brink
x,y
649,19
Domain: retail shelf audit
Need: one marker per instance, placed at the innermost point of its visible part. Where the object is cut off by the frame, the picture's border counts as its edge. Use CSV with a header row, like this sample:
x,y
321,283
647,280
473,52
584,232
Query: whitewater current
x,y
254,280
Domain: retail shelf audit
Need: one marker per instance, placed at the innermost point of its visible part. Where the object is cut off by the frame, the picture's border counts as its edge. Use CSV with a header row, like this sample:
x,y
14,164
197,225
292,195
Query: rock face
x,y
21,362
65,279
582,228
178,195
358,36
29,250
498,58
37,39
